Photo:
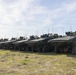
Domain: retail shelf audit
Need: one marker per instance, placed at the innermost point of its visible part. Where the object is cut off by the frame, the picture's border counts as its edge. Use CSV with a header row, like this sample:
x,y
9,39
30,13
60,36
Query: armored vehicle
x,y
41,44
7,44
2,45
38,45
20,45
64,44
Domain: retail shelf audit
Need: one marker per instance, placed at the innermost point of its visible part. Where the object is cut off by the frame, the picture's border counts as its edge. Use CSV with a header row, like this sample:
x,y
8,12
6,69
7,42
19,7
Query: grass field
x,y
22,63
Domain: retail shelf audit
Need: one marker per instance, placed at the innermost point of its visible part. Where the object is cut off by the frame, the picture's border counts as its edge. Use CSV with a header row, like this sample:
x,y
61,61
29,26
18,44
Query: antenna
x,y
52,29
42,31
25,36
37,32
70,27
63,30
17,35
48,30
55,30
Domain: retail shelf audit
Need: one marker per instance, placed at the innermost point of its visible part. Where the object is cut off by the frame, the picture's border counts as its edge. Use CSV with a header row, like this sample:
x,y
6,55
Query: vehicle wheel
x,y
34,50
55,49
46,48
22,48
74,51
39,50
65,50
28,48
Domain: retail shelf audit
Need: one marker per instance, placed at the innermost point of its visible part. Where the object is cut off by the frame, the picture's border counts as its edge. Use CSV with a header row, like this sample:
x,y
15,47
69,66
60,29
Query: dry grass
x,y
22,63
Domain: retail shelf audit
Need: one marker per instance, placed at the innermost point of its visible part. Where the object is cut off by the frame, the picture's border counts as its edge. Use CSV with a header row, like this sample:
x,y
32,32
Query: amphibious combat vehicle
x,y
7,44
41,44
64,44
20,45
38,45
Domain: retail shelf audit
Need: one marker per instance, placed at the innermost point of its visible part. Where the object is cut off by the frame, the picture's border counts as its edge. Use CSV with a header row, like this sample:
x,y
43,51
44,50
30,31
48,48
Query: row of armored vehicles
x,y
46,43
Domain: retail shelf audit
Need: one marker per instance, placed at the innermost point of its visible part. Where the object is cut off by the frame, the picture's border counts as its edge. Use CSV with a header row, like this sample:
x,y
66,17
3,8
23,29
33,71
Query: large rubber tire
x,y
22,48
34,50
65,50
39,49
74,51
46,49
16,48
56,50
28,48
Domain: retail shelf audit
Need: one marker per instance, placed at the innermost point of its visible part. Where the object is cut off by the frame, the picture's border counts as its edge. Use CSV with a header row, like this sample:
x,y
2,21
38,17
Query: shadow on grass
x,y
70,55
41,53
56,54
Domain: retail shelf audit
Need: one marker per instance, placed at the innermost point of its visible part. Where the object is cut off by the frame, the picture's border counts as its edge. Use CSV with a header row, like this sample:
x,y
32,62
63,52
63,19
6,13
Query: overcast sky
x,y
27,17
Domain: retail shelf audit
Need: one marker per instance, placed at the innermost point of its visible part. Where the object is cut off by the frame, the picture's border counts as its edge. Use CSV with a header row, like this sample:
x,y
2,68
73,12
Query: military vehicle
x,y
44,43
7,44
64,44
20,45
2,45
40,44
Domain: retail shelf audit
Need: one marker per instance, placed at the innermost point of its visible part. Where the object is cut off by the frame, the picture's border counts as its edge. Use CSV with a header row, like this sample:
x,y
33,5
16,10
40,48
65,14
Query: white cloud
x,y
20,16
